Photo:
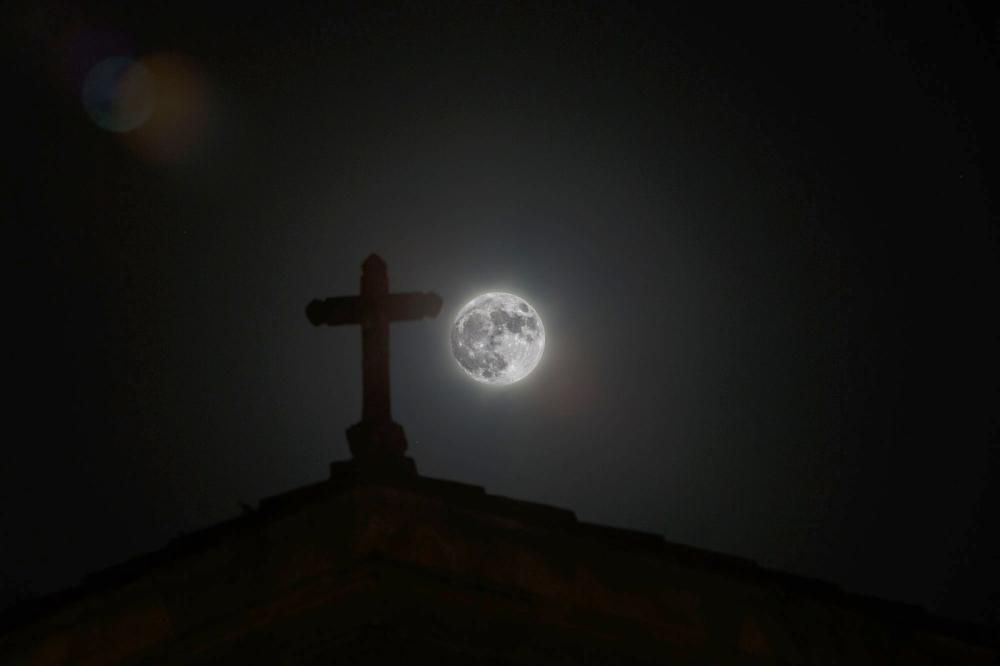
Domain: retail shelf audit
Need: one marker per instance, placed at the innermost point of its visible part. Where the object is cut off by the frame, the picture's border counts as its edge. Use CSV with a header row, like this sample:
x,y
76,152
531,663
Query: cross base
x,y
356,470
379,444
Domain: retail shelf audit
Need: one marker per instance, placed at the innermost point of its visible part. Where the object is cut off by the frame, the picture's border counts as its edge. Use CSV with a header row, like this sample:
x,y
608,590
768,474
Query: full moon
x,y
498,338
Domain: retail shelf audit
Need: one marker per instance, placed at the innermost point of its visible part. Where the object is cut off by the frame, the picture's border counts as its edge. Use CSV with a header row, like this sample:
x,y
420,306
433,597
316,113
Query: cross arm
x,y
413,305
335,311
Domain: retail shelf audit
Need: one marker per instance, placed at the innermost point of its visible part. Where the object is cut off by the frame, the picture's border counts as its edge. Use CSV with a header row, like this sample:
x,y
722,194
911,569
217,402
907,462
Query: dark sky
x,y
763,243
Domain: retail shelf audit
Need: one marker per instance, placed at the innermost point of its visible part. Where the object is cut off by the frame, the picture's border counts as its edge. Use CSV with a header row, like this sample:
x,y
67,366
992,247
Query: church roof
x,y
448,570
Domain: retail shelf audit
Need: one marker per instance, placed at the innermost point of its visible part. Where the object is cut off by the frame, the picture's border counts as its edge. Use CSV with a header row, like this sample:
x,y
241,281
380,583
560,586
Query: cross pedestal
x,y
376,440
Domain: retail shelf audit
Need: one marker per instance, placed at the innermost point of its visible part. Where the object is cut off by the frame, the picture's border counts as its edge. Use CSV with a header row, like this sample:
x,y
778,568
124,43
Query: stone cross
x,y
376,438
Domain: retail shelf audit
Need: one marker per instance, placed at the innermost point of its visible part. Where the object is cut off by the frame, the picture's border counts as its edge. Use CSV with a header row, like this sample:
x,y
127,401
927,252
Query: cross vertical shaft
x,y
375,341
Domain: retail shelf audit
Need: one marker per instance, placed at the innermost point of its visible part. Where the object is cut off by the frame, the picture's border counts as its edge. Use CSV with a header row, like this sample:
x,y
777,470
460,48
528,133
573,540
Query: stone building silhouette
x,y
380,565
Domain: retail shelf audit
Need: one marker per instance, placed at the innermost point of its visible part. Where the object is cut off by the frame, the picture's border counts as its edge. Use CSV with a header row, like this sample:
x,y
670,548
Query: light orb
x,y
117,94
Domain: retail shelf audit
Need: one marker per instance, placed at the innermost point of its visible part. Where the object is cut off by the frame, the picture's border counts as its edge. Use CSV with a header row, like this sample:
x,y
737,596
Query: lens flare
x,y
117,94
180,117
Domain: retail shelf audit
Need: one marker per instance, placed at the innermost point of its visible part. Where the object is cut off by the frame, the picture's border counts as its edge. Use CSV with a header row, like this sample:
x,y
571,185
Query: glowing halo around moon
x,y
498,338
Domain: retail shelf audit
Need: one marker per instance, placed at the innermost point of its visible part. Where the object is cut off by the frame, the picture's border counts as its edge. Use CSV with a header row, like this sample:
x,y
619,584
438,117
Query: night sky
x,y
763,243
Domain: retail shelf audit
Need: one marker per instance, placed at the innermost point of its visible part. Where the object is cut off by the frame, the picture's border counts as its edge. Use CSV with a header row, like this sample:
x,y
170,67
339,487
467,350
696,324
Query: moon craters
x,y
497,338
